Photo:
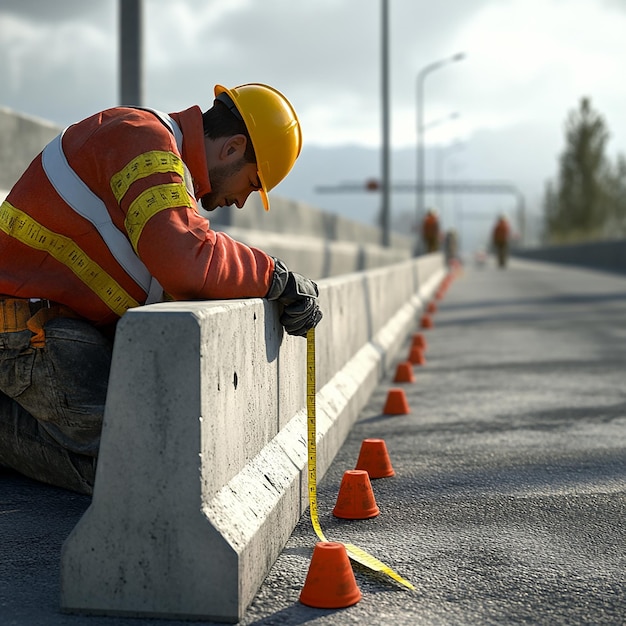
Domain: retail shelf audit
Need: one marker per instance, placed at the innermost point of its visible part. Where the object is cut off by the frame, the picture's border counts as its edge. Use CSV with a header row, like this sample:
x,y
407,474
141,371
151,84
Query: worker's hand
x,y
298,295
301,311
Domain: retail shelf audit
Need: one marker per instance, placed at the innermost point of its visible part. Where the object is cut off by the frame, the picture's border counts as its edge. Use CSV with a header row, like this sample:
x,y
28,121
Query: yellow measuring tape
x,y
354,552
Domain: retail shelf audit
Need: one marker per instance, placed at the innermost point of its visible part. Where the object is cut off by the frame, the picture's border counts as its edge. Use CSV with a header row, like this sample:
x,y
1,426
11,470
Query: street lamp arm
x,y
438,122
431,68
421,76
437,64
420,124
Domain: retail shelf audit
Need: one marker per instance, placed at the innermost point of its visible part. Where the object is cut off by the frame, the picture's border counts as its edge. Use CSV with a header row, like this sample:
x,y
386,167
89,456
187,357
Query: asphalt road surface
x,y
508,502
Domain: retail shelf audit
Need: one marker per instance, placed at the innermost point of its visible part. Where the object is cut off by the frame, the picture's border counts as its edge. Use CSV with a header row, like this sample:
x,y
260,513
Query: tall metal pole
x,y
131,56
442,154
386,184
420,131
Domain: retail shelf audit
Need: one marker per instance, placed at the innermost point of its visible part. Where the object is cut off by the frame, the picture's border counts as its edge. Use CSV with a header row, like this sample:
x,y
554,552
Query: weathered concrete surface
x,y
212,396
22,138
301,219
315,256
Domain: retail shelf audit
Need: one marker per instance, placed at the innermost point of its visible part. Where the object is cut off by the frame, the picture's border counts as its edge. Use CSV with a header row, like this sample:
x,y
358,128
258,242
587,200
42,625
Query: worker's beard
x,y
218,176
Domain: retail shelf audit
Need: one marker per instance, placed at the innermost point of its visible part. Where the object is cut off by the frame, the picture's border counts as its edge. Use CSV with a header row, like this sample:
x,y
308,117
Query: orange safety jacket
x,y
132,230
430,227
501,232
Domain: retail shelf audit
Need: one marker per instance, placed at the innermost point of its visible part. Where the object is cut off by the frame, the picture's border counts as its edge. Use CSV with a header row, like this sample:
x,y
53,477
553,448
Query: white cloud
x,y
51,68
531,59
181,32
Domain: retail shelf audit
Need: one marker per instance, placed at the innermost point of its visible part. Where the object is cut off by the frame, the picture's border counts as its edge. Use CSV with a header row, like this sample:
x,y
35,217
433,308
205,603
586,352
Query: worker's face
x,y
232,178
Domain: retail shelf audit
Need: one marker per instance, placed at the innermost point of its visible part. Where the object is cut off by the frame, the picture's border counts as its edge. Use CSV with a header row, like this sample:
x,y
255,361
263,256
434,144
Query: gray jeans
x,y
52,402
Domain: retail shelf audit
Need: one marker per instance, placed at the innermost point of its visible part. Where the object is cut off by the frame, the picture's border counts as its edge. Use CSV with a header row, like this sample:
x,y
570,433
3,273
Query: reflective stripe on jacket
x,y
78,196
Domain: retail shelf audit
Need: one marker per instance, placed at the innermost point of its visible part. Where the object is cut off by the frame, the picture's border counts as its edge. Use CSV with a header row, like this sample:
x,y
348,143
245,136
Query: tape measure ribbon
x,y
355,553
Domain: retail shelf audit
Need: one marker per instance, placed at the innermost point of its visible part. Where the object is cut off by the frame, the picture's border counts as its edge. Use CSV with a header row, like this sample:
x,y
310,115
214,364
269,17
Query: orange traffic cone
x,y
404,373
396,403
426,321
330,582
355,499
420,341
374,459
416,356
432,307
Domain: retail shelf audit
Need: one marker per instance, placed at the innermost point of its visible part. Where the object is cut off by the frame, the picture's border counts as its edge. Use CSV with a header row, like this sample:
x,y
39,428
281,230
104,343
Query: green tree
x,y
550,211
577,205
616,220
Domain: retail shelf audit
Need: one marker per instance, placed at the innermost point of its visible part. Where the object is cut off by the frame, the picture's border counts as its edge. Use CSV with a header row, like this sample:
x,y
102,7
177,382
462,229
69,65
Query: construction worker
x,y
106,219
451,247
500,239
430,231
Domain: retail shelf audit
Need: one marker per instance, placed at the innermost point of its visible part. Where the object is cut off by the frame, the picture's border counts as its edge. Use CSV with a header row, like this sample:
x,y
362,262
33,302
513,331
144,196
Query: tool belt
x,y
18,314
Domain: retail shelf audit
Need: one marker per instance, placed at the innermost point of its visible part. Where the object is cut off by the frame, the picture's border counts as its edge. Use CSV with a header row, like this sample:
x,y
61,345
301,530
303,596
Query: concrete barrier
x,y
202,471
311,241
319,258
606,256
23,137
301,219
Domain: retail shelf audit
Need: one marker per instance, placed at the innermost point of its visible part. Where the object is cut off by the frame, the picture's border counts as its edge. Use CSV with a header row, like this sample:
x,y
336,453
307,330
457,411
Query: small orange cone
x,y
426,321
420,341
416,356
374,459
432,307
396,403
404,373
330,582
355,499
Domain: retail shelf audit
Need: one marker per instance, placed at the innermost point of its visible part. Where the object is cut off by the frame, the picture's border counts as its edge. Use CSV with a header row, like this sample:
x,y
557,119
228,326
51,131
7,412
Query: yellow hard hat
x,y
273,127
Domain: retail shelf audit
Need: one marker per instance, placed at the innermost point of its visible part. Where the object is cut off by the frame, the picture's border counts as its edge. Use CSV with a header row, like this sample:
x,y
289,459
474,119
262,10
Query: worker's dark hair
x,y
219,121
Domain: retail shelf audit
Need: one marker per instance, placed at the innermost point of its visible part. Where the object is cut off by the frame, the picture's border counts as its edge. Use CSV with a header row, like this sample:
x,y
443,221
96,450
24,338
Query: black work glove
x,y
298,295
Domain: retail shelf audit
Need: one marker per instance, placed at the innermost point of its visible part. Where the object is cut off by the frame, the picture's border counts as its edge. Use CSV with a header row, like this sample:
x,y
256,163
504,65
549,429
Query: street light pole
x,y
420,127
386,169
442,154
130,52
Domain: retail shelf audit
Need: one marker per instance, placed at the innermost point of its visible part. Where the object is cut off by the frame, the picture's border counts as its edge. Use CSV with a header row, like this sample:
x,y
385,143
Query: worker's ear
x,y
234,148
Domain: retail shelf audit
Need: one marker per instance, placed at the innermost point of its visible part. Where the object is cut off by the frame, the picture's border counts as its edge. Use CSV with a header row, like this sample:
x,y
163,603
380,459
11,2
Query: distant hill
x,y
511,156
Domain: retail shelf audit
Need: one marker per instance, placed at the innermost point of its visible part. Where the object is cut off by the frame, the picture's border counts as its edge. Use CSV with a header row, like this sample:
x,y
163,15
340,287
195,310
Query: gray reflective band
x,y
76,194
81,199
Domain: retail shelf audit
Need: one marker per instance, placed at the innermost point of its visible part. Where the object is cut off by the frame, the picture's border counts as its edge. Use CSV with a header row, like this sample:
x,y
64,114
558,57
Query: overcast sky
x,y
528,63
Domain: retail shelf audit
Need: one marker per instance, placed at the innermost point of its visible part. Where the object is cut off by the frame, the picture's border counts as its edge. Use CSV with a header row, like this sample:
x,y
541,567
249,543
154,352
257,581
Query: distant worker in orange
x,y
430,231
500,239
